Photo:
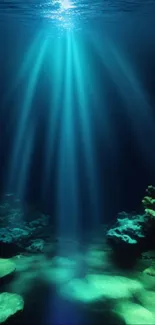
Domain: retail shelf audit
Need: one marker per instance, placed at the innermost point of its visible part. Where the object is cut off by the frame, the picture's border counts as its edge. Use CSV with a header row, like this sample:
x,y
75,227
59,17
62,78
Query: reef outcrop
x,y
21,228
134,233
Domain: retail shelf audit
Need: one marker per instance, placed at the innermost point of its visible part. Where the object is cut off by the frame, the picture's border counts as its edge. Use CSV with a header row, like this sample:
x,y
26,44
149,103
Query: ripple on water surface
x,y
70,12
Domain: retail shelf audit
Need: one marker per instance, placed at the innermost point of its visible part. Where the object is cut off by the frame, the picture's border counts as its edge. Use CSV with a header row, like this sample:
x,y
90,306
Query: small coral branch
x,y
149,201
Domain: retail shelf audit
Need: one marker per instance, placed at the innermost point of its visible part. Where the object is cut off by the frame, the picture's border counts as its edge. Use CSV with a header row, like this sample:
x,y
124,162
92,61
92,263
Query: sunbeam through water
x,y
77,146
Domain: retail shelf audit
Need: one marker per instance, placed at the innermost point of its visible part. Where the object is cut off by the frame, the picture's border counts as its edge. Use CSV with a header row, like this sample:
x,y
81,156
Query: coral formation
x,y
17,233
129,228
135,233
36,245
149,201
89,278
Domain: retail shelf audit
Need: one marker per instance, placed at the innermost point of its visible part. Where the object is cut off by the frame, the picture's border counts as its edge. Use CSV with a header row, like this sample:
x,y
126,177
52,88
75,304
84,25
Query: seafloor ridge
x,y
46,279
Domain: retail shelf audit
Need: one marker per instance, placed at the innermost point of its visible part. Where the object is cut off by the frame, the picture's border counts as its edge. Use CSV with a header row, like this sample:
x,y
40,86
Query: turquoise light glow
x,y
24,122
66,4
63,13
73,114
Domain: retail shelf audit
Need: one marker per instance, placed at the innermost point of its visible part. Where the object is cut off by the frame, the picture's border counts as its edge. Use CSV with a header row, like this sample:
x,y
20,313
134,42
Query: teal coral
x,y
149,201
7,267
10,304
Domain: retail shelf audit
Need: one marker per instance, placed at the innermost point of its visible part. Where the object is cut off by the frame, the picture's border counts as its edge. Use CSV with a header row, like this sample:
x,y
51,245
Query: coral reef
x,y
17,233
77,275
149,201
130,236
134,233
130,229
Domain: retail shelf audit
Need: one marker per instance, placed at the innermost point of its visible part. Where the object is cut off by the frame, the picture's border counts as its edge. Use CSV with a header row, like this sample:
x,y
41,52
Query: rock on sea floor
x,y
134,314
10,304
82,288
7,267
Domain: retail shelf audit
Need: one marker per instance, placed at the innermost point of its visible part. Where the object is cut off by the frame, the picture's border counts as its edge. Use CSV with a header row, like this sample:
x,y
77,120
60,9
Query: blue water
x,y
79,13
128,20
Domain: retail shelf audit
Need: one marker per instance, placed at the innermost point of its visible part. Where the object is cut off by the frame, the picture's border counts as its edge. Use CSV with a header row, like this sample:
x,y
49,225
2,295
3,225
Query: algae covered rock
x,y
97,289
147,299
80,291
10,304
134,314
114,287
36,245
7,267
150,270
148,255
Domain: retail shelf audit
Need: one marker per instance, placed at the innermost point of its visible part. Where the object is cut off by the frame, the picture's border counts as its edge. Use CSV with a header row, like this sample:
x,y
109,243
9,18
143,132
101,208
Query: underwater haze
x,y
77,105
77,147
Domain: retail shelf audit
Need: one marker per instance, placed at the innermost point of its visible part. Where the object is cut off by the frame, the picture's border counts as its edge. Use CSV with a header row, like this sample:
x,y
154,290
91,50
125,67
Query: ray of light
x,y
67,173
84,116
53,116
23,119
25,160
25,67
97,98
133,94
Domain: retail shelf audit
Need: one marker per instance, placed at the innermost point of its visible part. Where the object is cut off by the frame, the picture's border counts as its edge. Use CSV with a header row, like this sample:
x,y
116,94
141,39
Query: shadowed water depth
x,y
77,142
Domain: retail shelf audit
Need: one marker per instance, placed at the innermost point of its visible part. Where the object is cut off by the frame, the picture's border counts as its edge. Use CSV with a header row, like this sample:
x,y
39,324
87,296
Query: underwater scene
x,y
77,162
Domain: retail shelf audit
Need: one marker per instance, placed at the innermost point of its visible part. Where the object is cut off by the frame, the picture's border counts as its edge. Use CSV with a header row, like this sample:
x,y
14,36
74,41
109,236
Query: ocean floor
x,y
80,284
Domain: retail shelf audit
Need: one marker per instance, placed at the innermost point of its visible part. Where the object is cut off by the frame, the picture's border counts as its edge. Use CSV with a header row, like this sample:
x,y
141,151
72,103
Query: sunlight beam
x,y
86,130
54,113
23,121
67,173
25,67
133,94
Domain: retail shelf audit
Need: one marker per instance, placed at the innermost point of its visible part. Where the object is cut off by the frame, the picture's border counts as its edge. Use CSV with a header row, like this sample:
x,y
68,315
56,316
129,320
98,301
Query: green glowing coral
x,y
149,201
134,314
6,267
10,304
